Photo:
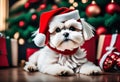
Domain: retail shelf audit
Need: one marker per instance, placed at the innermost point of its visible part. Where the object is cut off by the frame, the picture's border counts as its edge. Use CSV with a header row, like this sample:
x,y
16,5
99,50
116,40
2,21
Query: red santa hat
x,y
60,14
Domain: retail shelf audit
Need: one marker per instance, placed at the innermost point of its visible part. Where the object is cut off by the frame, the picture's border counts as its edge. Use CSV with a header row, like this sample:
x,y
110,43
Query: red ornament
x,y
54,7
27,5
34,17
112,8
41,7
101,30
93,9
21,23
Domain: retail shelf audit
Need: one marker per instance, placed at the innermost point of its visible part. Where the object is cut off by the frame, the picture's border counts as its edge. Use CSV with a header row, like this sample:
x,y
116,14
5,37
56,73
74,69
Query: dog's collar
x,y
66,52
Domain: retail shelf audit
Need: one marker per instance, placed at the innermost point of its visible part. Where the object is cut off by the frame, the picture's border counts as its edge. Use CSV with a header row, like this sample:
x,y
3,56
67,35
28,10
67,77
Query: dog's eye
x,y
72,28
58,30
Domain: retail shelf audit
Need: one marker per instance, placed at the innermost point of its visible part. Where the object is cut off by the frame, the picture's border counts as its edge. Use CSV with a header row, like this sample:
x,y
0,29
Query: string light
x,y
71,7
75,4
71,1
57,1
84,1
21,41
16,35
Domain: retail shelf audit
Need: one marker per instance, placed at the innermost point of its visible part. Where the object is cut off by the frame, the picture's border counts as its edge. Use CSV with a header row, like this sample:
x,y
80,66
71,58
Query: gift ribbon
x,y
109,49
113,40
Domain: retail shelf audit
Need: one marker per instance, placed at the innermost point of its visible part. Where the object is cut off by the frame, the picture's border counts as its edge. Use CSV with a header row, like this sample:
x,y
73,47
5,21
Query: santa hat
x,y
60,14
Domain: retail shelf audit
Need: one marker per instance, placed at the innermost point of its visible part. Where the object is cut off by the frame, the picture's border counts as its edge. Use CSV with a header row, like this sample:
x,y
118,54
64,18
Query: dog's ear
x,y
87,30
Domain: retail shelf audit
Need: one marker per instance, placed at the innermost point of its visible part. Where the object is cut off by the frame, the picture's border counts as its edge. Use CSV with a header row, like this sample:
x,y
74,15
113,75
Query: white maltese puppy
x,y
62,32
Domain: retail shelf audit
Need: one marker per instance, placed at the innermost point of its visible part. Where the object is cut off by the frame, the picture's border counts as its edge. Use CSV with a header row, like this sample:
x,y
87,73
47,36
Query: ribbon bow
x,y
111,59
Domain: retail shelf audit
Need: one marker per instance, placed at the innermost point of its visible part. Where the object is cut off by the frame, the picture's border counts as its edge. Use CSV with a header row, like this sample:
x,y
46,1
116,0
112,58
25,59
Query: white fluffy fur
x,y
39,39
50,62
58,40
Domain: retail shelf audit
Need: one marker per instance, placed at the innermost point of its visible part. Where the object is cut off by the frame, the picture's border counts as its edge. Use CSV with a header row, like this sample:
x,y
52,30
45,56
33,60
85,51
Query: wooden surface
x,y
18,75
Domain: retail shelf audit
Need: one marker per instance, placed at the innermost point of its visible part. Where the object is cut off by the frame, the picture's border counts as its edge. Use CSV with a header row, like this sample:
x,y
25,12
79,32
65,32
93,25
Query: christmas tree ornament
x,y
34,17
84,1
71,1
54,7
32,10
21,41
101,30
17,4
16,35
57,1
93,9
27,5
21,23
41,7
75,4
29,2
71,7
112,8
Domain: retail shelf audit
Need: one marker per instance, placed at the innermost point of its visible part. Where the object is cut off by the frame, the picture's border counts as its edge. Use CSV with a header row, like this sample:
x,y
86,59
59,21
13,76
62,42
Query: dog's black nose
x,y
66,34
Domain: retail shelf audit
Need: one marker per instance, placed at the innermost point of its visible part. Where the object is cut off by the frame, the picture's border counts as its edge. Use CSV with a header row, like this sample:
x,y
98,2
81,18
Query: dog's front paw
x,y
60,71
30,67
65,71
91,70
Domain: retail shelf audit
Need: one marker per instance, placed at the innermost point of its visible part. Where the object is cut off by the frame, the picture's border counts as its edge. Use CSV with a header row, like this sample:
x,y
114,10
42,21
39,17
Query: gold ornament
x,y
71,1
75,4
93,9
21,41
16,35
84,1
71,7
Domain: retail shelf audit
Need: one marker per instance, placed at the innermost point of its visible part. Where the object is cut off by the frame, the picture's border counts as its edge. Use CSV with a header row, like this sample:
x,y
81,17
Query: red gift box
x,y
3,53
90,47
30,51
104,42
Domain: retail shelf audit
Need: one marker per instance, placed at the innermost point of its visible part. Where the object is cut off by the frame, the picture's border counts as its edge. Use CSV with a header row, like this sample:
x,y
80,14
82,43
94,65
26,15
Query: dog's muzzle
x,y
66,35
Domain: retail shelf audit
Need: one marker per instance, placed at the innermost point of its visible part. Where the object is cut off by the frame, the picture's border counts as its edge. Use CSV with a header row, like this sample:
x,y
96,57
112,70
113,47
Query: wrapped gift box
x,y
3,53
90,47
24,50
104,42
108,52
30,51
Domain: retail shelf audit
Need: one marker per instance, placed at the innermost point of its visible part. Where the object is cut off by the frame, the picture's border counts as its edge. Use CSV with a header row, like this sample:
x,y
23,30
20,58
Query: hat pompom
x,y
39,40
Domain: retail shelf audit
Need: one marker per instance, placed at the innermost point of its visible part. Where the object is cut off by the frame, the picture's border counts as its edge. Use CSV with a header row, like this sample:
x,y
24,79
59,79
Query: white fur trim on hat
x,y
39,40
66,16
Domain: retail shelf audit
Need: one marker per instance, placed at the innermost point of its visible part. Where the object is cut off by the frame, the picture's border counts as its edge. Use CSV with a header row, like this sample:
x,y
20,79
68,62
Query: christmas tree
x,y
24,17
